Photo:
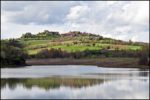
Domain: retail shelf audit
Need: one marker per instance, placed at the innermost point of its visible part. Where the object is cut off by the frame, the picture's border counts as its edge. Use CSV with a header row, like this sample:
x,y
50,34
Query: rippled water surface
x,y
74,81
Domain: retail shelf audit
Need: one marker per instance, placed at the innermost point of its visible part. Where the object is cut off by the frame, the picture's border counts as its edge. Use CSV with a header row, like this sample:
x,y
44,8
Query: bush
x,y
143,60
144,56
52,53
12,53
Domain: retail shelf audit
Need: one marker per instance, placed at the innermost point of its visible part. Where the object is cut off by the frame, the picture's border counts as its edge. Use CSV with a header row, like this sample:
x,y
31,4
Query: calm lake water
x,y
74,82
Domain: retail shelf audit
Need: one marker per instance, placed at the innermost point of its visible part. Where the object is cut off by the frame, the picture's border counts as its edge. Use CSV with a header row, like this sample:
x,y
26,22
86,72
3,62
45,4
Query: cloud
x,y
13,6
118,19
37,12
77,12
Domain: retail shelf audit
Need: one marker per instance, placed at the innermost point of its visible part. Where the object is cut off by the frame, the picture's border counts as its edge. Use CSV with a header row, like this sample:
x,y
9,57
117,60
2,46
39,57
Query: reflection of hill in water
x,y
49,83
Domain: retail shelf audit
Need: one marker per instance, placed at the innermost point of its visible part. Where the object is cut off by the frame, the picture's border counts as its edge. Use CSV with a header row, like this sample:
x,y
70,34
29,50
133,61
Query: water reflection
x,y
49,83
74,82
54,88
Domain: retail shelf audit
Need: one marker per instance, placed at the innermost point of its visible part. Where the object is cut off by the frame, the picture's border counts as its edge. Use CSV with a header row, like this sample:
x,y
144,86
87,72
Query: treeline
x,y
58,53
41,35
143,54
12,53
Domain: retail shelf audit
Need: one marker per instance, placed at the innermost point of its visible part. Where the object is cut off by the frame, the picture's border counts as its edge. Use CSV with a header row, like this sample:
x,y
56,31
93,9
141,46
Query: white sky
x,y
121,20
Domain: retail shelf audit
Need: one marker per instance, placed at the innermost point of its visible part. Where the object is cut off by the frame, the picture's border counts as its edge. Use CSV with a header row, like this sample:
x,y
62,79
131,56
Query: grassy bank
x,y
101,62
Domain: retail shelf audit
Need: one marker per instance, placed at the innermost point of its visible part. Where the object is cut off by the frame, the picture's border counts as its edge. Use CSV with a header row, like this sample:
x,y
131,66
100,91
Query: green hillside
x,y
73,41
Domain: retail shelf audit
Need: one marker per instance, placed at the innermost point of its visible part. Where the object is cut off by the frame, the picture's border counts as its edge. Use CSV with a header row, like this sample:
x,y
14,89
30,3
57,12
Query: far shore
x,y
100,62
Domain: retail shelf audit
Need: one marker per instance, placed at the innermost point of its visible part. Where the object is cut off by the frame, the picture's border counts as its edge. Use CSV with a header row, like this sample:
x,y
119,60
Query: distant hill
x,y
73,45
74,41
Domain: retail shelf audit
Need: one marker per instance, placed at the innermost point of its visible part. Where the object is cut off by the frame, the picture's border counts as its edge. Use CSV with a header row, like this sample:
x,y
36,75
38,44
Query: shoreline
x,y
100,62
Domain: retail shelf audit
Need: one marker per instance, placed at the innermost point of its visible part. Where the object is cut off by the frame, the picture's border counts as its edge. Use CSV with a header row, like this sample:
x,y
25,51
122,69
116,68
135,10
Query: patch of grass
x,y
35,42
74,48
34,46
134,47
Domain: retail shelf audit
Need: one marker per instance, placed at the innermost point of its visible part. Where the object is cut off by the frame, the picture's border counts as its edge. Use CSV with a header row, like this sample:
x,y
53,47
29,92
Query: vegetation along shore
x,y
100,62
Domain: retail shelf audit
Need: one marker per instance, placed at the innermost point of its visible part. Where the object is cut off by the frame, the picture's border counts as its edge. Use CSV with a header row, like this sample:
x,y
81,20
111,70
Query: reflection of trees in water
x,y
140,73
12,83
143,72
50,83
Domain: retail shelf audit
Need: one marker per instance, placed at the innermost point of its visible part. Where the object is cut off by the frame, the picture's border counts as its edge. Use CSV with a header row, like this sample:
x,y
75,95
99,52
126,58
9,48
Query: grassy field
x,y
34,46
101,62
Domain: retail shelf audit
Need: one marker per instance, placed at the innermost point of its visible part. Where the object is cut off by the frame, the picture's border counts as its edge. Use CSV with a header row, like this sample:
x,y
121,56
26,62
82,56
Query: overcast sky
x,y
121,20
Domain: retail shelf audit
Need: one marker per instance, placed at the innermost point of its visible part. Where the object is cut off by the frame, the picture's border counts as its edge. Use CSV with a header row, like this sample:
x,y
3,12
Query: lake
x,y
74,82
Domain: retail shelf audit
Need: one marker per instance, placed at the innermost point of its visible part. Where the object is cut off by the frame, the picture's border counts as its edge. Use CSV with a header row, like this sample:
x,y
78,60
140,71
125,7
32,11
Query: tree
x,y
27,35
130,42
